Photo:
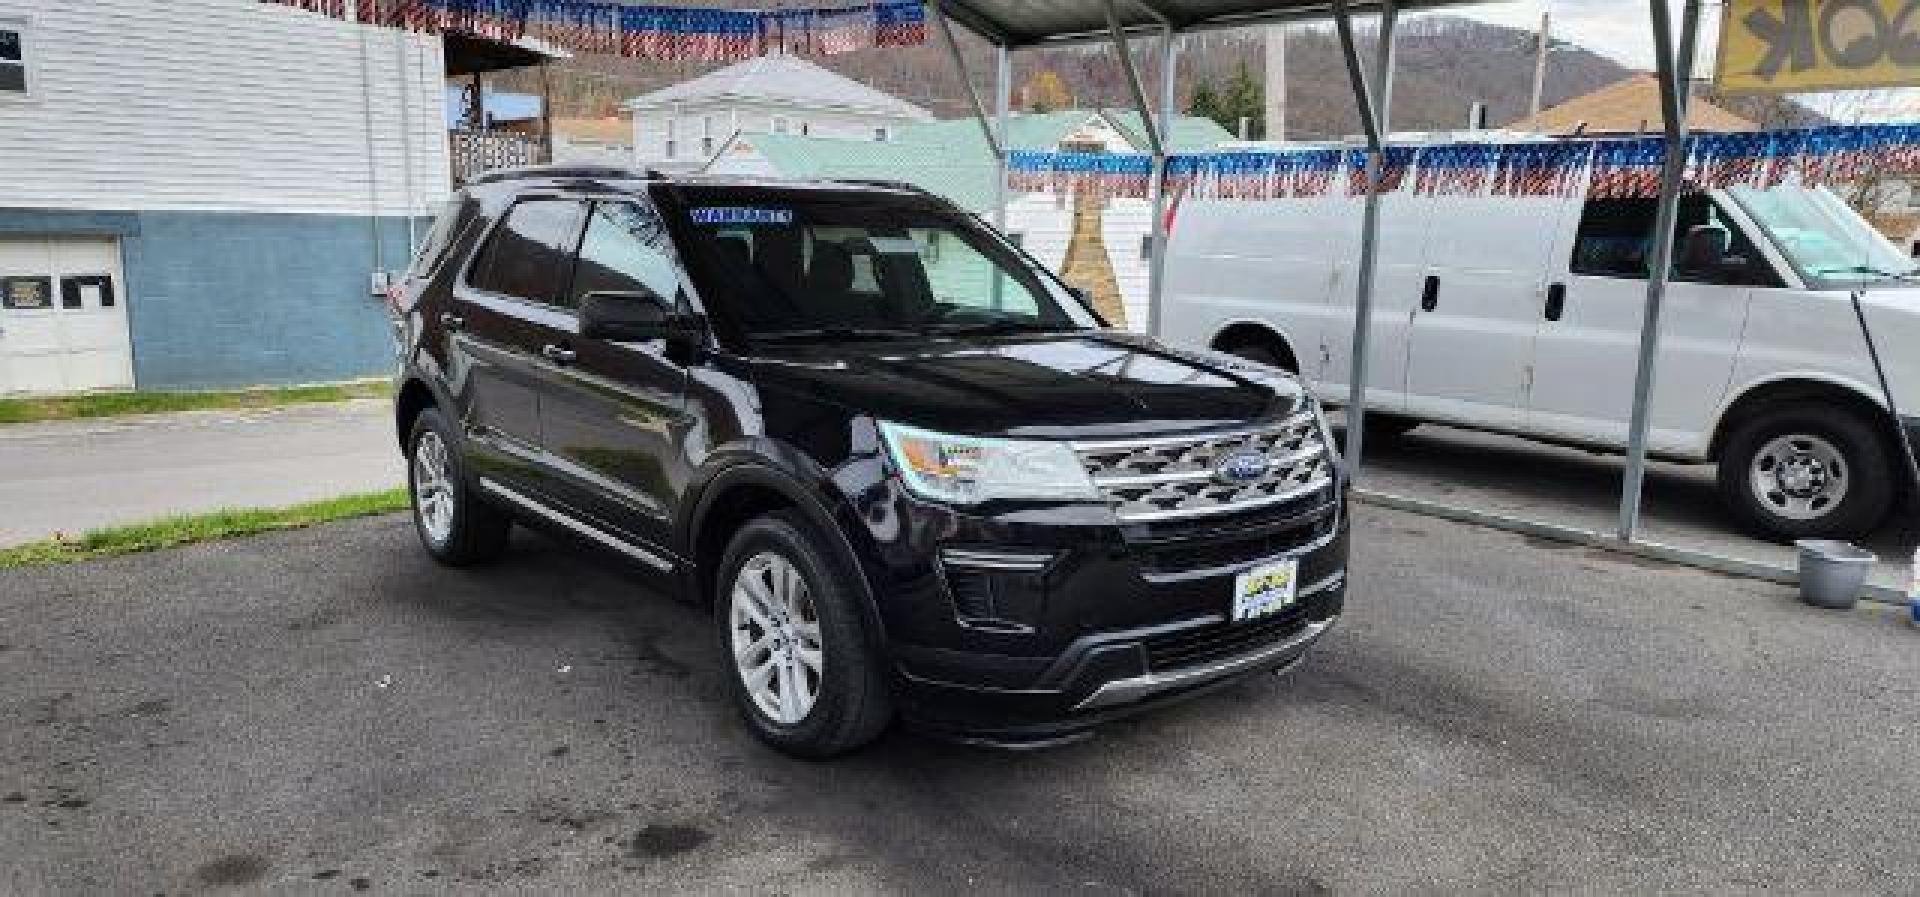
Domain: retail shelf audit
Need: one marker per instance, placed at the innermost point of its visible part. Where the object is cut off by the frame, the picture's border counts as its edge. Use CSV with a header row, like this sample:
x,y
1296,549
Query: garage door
x,y
63,316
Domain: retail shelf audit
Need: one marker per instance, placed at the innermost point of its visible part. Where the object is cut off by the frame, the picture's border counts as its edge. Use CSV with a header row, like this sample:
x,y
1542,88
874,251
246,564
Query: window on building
x,y
528,252
805,129
781,125
883,133
14,75
1146,247
673,145
624,250
706,135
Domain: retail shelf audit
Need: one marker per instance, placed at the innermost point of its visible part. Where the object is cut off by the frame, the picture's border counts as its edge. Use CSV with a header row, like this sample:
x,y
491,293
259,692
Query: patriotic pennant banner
x,y
646,32
1599,168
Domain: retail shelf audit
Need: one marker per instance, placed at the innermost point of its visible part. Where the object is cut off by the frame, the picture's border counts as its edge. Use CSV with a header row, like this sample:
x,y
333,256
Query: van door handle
x,y
1556,301
1430,294
558,354
452,321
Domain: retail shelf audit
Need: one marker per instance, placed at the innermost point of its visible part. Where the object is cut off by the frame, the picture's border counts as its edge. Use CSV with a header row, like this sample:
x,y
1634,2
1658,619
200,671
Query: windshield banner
x,y
1619,168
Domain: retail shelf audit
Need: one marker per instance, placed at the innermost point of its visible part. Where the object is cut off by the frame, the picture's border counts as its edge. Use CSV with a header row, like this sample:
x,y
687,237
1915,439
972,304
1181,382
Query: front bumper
x,y
1118,620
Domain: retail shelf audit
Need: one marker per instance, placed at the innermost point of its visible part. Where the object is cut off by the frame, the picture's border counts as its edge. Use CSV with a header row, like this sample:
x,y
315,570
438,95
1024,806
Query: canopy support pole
x,y
1371,99
1157,243
1675,70
1002,101
966,78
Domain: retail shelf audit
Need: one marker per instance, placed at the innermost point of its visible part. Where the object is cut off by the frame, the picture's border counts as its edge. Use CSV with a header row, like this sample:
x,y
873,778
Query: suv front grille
x,y
1147,480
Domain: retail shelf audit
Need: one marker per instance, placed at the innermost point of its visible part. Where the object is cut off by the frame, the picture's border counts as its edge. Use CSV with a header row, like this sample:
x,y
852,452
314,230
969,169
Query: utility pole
x,y
1540,65
1276,83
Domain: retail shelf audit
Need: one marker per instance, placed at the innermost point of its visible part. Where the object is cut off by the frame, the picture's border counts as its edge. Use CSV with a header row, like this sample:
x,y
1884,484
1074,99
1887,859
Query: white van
x,y
1522,315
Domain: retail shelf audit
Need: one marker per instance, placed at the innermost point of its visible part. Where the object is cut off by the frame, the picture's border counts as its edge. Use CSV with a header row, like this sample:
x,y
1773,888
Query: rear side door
x,y
1472,328
505,318
1586,356
1406,227
614,418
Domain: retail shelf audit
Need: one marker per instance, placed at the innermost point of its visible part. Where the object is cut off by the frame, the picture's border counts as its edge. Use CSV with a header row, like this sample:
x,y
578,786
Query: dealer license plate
x,y
1266,589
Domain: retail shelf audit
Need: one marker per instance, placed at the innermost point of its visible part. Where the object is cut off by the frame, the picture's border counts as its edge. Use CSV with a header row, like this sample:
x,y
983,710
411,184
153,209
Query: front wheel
x,y
803,673
1808,470
455,526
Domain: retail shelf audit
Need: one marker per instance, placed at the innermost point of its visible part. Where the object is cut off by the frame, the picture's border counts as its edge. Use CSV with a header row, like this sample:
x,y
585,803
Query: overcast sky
x,y
1616,28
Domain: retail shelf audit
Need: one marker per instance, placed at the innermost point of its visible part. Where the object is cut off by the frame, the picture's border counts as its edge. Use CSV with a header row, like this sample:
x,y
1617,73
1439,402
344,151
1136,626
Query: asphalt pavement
x,y
325,711
72,476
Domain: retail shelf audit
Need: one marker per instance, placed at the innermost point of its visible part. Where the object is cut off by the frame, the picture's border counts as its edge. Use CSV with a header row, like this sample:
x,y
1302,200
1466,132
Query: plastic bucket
x,y
1831,573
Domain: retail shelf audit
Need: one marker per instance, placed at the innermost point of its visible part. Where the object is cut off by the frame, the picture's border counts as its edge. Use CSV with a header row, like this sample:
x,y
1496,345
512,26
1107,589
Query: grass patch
x,y
183,530
114,404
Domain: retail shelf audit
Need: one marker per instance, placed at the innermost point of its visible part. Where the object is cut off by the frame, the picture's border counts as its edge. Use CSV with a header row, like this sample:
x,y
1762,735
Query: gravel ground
x,y
325,711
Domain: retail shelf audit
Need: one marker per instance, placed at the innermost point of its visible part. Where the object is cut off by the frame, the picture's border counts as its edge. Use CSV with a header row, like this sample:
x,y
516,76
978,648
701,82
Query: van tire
x,y
1848,452
854,702
469,531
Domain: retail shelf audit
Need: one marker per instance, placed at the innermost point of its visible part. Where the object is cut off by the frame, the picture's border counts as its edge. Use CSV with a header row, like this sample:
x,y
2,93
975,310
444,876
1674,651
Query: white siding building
x,y
198,192
681,128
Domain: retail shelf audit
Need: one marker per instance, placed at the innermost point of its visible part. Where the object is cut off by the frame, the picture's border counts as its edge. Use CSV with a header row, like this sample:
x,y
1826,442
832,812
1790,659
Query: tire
x,y
456,526
851,703
1808,470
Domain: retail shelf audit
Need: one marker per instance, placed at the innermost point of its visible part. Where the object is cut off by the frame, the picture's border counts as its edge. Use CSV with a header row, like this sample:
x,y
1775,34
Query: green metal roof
x,y
950,157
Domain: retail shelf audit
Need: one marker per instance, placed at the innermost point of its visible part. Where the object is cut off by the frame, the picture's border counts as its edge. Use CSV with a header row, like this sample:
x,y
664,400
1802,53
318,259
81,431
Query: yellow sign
x,y
1784,46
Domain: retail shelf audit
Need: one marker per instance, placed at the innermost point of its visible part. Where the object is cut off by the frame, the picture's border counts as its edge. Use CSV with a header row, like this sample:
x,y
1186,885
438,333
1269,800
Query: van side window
x,y
1614,237
527,256
625,250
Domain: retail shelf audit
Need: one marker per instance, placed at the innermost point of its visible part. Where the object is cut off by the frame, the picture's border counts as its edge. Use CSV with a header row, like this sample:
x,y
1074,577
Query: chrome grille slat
x,y
1167,478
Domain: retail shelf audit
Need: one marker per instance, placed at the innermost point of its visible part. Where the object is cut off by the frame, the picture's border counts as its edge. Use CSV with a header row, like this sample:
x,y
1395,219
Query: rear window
x,y
432,253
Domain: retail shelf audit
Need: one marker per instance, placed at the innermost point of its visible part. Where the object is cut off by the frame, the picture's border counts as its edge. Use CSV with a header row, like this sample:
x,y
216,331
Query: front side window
x,y
791,266
625,250
1616,234
527,256
13,58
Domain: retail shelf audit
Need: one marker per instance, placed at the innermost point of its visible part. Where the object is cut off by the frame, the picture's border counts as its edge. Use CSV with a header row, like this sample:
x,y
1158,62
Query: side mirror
x,y
628,317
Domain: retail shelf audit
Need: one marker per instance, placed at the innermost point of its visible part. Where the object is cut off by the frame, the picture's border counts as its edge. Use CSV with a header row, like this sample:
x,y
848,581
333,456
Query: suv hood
x,y
1088,385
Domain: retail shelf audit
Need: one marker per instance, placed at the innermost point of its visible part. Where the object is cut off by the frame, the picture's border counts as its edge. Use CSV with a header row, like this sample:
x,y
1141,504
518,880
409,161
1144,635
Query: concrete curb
x,y
1685,557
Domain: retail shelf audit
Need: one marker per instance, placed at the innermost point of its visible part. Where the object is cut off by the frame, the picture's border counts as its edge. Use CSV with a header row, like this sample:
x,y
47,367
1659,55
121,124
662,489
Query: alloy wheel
x,y
777,651
433,487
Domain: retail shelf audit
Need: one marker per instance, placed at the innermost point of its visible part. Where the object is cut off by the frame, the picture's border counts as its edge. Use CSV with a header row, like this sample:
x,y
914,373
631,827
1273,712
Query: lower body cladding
x,y
1018,629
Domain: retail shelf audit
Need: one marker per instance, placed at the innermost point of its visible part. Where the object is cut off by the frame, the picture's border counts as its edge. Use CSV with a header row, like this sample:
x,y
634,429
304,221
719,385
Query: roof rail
x,y
563,171
879,182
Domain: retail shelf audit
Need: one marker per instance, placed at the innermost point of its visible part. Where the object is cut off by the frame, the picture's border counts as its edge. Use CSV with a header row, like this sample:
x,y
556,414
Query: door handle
x,y
558,354
1430,294
452,321
1556,301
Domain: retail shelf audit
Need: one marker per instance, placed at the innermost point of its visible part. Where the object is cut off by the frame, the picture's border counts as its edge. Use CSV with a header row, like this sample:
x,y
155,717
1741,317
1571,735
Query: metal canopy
x,y
1030,23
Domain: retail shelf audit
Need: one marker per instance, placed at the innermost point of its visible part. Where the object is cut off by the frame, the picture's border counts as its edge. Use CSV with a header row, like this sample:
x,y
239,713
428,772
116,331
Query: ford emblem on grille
x,y
1242,467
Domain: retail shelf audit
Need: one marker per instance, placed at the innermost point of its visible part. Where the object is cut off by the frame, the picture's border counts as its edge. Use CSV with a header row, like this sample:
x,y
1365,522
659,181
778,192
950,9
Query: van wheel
x,y
1808,470
804,675
456,526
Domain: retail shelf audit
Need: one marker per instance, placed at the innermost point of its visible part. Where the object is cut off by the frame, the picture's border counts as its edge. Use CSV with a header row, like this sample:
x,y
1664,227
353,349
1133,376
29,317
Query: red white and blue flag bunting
x,y
647,32
1599,168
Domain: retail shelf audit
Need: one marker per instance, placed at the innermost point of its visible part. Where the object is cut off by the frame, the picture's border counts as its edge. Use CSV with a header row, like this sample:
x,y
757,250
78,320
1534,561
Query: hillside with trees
x,y
1445,65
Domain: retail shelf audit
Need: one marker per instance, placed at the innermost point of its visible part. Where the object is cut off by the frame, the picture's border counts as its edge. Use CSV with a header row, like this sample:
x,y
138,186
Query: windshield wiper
x,y
991,327
840,333
1865,269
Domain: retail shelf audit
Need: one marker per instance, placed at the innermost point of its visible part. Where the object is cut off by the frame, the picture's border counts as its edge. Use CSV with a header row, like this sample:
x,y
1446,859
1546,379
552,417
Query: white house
x,y
1098,245
199,193
680,128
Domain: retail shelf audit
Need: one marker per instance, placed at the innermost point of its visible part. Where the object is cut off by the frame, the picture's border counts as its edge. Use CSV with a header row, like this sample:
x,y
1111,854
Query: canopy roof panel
x,y
1025,23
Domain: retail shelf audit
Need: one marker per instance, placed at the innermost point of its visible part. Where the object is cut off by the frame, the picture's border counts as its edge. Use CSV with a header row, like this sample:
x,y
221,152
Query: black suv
x,y
906,466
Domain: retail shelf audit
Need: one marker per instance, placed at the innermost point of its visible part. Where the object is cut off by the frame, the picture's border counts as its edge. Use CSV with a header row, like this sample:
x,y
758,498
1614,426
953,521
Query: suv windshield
x,y
1821,236
795,265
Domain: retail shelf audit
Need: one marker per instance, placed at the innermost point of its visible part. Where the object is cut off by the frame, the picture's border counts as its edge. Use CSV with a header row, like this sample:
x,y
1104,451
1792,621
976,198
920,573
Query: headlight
x,y
969,469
